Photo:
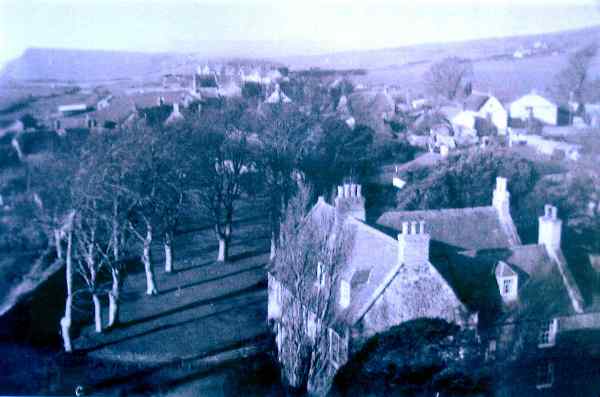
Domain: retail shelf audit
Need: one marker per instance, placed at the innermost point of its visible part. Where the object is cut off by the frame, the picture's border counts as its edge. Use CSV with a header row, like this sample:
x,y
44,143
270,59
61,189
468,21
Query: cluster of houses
x,y
467,266
177,97
531,120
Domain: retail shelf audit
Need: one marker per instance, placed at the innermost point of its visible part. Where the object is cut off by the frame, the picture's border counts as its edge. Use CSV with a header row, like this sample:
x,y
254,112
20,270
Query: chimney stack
x,y
349,201
550,229
501,198
413,245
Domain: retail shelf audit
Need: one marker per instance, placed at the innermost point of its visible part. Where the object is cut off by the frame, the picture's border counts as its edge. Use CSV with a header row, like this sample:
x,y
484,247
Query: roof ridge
x,y
441,210
370,229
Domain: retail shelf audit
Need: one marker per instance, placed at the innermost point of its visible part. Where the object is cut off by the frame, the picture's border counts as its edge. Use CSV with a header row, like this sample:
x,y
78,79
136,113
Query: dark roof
x,y
156,115
475,102
372,261
458,229
542,292
119,109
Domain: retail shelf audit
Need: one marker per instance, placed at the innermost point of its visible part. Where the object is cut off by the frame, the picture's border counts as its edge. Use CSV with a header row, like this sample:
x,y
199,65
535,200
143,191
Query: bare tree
x,y
223,173
309,260
573,82
280,144
446,77
92,248
67,319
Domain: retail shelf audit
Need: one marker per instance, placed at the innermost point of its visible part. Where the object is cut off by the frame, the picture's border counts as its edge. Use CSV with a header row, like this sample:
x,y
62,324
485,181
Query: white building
x,y
536,106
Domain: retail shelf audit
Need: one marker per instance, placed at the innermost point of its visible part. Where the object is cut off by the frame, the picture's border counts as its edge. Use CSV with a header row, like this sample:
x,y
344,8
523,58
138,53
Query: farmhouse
x,y
467,266
488,107
537,107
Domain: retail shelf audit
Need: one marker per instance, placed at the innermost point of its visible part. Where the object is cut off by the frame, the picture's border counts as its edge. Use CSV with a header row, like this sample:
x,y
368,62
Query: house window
x,y
335,345
320,274
311,326
547,335
545,376
490,354
506,286
345,294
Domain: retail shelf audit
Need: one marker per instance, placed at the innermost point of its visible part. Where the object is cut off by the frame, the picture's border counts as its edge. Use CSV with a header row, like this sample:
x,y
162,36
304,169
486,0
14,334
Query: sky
x,y
292,27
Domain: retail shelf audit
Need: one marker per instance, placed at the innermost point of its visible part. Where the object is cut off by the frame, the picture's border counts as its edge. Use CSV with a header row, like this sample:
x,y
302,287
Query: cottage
x,y
467,266
488,107
534,106
386,280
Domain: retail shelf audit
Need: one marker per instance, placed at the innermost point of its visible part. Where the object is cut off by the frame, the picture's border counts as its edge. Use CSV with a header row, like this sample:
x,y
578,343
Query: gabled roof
x,y
503,269
457,229
372,261
119,109
542,291
533,99
475,102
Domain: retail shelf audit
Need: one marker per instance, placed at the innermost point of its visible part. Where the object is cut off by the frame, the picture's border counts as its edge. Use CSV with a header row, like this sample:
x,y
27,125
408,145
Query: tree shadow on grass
x,y
150,380
167,326
210,280
253,288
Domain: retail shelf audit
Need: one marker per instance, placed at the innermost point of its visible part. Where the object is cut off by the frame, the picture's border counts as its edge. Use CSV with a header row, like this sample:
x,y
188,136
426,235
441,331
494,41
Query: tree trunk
x,y
57,243
65,322
224,239
273,244
168,252
150,284
65,326
223,249
113,299
97,312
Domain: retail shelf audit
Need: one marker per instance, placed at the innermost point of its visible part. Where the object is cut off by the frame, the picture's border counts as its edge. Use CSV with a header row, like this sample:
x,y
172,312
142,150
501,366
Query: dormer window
x,y
547,335
507,280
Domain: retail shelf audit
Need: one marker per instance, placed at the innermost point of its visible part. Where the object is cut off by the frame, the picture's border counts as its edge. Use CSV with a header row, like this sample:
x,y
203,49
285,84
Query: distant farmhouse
x,y
537,107
467,266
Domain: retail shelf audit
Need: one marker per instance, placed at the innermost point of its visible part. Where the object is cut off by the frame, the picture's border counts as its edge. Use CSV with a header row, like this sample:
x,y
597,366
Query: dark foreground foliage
x,y
409,359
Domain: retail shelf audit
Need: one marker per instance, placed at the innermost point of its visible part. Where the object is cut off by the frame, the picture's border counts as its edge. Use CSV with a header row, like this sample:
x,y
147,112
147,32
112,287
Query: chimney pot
x,y
422,227
404,227
340,191
413,227
358,190
346,190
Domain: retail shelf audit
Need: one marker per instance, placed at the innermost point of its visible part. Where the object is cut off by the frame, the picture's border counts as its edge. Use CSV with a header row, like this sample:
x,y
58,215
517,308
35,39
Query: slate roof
x,y
457,229
373,260
475,102
542,292
119,110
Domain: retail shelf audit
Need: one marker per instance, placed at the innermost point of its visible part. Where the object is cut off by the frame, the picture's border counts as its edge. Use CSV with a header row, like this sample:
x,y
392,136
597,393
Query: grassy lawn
x,y
202,308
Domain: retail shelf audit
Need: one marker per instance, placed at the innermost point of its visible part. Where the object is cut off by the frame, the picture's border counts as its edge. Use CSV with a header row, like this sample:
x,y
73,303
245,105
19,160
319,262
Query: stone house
x,y
528,302
467,266
387,280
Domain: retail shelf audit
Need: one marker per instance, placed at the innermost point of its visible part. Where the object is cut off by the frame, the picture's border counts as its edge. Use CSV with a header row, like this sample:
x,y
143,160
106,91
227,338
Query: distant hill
x,y
495,68
78,65
493,60
48,64
482,49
